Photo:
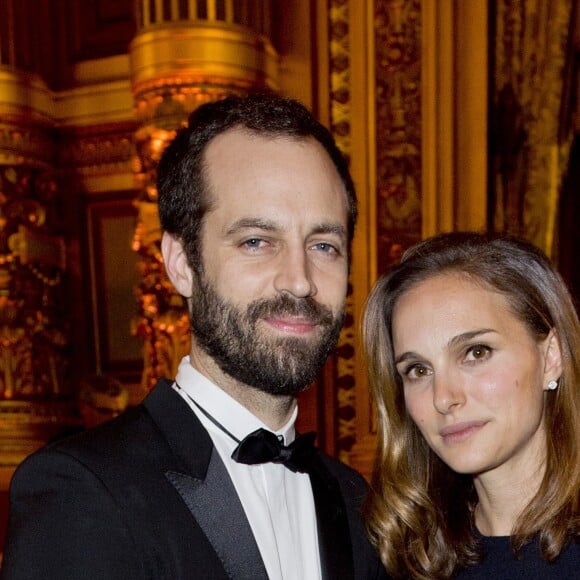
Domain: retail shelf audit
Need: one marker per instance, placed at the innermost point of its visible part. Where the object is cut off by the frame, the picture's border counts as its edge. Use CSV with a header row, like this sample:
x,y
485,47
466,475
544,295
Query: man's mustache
x,y
307,308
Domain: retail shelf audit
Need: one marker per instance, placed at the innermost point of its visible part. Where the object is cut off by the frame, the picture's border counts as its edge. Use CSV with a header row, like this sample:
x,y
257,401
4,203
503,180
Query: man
x,y
258,211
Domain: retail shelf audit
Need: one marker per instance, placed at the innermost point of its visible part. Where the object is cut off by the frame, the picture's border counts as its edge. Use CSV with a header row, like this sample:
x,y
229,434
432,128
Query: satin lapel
x,y
189,442
202,480
333,530
214,503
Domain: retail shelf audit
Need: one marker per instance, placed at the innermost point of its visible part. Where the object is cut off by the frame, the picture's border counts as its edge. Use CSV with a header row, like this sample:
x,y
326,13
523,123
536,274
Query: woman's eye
x,y
477,352
416,371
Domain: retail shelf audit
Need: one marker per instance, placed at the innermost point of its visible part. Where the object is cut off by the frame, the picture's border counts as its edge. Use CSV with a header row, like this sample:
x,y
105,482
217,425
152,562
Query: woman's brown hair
x,y
419,512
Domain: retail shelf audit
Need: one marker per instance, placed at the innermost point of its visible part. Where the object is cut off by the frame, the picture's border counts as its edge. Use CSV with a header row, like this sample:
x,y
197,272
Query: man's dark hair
x,y
183,199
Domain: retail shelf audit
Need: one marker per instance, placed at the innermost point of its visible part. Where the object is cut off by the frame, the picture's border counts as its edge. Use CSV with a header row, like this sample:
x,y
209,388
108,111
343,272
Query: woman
x,y
473,346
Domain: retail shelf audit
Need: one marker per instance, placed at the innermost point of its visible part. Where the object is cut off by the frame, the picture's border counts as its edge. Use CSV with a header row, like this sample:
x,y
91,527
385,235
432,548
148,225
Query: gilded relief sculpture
x,y
32,263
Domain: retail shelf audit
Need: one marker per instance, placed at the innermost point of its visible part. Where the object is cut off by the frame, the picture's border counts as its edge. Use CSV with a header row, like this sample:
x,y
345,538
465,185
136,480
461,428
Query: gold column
x,y
454,100
184,54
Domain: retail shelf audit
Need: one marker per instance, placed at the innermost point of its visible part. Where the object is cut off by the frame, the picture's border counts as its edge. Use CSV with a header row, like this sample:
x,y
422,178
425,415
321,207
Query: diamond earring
x,y
552,385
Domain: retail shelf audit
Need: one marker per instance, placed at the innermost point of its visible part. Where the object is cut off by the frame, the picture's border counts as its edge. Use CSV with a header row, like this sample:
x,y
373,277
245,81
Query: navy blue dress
x,y
499,563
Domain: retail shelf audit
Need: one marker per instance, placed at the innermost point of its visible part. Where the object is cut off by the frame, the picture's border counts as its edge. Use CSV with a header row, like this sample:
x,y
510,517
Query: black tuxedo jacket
x,y
146,497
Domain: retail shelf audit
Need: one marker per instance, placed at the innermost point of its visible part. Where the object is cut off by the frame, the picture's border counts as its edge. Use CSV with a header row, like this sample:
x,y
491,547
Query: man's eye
x,y
253,243
326,248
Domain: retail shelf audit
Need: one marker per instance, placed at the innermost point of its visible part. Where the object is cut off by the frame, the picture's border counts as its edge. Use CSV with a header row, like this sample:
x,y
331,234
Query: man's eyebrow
x,y
252,223
272,226
330,228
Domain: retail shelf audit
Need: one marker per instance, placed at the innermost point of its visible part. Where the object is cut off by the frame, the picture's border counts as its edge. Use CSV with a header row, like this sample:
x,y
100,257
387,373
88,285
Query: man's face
x,y
267,306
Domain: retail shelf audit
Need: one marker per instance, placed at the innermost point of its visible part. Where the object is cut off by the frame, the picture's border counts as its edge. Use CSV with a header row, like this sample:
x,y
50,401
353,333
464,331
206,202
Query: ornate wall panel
x,y
375,115
398,135
34,321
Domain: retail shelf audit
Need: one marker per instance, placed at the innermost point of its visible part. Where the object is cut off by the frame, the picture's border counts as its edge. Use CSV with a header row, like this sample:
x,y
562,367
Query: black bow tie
x,y
263,446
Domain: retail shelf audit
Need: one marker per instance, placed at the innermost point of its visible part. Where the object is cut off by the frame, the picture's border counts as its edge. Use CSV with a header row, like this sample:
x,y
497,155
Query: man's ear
x,y
552,358
176,264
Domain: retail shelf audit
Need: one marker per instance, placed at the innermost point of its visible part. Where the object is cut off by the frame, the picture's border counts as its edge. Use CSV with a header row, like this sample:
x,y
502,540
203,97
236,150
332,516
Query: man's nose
x,y
294,274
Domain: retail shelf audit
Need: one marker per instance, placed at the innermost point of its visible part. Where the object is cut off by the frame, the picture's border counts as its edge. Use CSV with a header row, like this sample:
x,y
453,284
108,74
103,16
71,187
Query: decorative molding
x,y
98,150
25,144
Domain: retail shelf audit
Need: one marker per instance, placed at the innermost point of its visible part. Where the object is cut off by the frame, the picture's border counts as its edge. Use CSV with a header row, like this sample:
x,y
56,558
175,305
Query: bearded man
x,y
207,478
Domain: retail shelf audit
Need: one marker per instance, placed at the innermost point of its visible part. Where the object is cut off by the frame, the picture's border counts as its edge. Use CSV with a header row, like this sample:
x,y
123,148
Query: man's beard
x,y
274,365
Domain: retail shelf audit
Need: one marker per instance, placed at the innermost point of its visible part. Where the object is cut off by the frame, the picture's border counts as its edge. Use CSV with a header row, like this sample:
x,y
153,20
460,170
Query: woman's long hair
x,y
419,512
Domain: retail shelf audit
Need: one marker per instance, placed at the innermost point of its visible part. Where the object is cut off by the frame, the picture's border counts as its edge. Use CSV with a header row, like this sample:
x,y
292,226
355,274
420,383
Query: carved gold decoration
x,y
32,263
35,400
398,105
530,157
98,151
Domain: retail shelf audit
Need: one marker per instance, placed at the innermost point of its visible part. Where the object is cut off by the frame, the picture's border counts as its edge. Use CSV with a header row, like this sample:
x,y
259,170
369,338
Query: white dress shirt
x,y
278,502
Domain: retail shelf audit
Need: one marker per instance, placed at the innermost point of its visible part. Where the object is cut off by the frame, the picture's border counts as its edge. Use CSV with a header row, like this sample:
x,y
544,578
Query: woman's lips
x,y
460,431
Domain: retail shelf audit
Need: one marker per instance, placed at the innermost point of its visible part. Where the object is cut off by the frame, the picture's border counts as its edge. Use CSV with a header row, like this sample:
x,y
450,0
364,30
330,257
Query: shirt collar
x,y
224,408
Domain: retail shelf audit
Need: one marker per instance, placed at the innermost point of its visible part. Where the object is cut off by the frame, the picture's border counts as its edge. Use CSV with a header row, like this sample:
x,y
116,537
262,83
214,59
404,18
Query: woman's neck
x,y
503,498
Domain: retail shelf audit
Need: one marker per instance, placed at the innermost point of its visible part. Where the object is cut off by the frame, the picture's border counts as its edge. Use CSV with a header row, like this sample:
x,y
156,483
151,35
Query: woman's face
x,y
474,377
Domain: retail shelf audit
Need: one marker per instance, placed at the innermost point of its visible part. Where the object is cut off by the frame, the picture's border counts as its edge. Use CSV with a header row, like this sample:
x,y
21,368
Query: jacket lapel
x,y
215,506
333,529
205,485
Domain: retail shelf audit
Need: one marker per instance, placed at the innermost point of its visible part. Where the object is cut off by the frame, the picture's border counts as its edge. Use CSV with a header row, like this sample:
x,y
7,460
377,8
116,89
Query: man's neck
x,y
273,410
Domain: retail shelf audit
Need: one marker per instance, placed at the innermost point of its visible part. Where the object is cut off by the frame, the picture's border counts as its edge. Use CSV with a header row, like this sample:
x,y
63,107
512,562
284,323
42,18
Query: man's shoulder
x,y
110,441
350,480
133,429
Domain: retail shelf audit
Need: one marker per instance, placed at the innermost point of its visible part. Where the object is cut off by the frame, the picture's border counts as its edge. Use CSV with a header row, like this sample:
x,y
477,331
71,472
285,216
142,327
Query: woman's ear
x,y
552,358
176,264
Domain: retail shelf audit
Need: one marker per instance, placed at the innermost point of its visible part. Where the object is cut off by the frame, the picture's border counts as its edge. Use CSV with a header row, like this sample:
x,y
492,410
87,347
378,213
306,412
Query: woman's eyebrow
x,y
467,336
406,356
453,342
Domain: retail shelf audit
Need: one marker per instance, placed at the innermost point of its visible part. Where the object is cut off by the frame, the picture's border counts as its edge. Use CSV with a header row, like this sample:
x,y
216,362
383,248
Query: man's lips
x,y
292,324
460,431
